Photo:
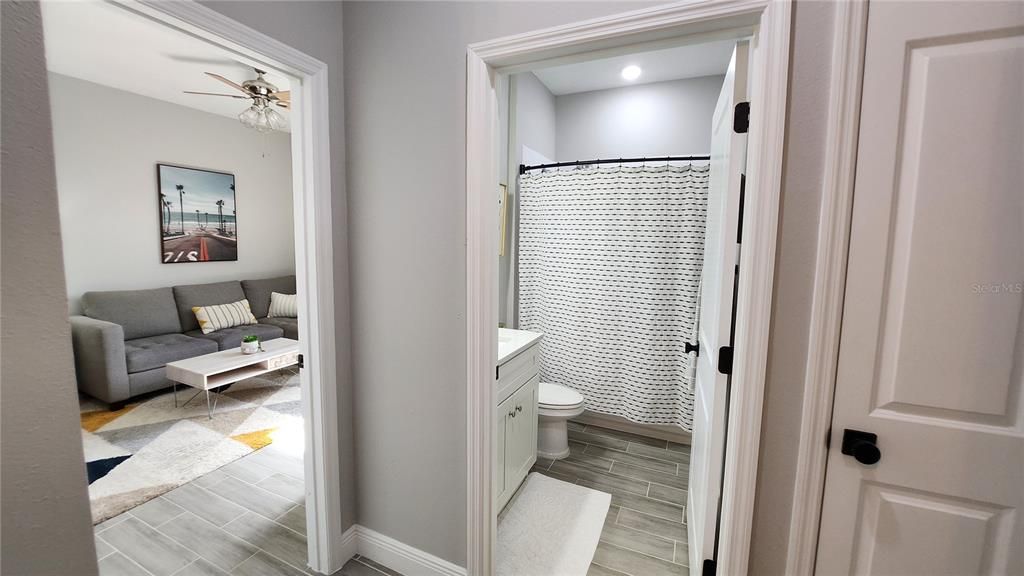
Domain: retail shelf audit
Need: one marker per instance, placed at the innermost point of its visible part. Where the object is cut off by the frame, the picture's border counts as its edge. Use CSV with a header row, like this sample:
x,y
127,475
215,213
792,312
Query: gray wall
x,y
315,28
534,128
659,119
44,516
409,264
794,276
405,80
106,182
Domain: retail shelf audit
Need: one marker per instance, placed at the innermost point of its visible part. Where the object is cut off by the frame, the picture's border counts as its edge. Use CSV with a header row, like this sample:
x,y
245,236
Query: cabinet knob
x,y
512,413
519,408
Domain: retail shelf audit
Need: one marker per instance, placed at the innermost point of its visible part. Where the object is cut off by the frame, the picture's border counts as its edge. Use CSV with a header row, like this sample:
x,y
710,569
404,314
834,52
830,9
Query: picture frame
x,y
198,215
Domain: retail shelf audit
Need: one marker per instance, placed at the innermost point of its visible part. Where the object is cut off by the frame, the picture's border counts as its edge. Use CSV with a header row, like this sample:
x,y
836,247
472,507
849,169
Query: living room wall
x,y
107,143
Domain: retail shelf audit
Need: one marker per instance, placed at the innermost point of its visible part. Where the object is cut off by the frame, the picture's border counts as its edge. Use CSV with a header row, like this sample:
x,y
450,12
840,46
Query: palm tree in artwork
x,y
167,206
235,227
220,215
181,206
164,210
197,219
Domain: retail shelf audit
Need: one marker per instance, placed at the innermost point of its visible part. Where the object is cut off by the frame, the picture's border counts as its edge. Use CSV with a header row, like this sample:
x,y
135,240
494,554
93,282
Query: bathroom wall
x,y
534,127
659,119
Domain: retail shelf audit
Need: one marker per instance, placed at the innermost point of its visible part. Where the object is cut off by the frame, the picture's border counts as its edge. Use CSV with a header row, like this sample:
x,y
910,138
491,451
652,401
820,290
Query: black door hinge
x,y
302,364
497,372
741,118
725,359
709,568
828,439
687,348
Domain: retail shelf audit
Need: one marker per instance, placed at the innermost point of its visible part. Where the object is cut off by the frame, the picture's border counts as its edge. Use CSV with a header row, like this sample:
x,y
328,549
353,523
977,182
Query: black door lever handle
x,y
861,445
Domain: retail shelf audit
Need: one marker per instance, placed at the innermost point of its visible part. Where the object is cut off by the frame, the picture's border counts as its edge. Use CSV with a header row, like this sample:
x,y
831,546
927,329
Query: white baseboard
x,y
349,545
659,431
401,557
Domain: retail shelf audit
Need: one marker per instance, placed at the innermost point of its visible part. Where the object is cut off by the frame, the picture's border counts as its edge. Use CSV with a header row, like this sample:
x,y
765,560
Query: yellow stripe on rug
x,y
257,439
93,421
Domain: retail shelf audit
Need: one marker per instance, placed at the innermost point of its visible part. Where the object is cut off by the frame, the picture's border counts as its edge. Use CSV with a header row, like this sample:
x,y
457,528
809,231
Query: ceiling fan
x,y
260,116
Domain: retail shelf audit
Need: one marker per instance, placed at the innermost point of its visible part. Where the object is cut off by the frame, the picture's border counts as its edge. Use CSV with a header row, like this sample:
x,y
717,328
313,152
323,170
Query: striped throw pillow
x,y
212,318
283,306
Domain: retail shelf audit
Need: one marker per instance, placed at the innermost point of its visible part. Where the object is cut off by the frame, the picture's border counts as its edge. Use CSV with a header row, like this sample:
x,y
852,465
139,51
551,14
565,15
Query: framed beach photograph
x,y
197,215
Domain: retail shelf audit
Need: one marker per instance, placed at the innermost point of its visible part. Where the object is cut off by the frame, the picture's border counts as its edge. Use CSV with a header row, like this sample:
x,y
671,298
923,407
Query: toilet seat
x,y
557,397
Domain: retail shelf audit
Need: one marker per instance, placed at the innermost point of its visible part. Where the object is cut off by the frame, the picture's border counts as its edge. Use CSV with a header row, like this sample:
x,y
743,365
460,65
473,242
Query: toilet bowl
x,y
556,404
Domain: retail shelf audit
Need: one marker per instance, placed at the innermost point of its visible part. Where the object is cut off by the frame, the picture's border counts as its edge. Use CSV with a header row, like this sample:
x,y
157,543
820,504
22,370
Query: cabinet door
x,y
521,434
500,428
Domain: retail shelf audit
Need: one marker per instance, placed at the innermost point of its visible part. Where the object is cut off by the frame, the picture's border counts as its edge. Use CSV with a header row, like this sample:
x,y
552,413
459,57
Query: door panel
x,y
728,158
933,339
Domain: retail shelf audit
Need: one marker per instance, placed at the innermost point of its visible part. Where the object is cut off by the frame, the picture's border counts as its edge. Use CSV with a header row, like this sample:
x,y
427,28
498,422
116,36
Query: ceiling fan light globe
x,y
274,119
250,116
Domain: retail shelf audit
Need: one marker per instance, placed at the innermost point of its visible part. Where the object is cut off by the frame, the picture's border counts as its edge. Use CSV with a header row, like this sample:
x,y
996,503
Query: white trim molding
x,y
768,21
402,557
850,29
314,259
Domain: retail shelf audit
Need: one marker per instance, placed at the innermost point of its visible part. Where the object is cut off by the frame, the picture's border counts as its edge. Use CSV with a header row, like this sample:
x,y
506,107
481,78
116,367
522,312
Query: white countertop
x,y
512,342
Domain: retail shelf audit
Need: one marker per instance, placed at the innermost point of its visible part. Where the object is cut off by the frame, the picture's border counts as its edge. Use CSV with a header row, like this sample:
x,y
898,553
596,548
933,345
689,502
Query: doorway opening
x,y
566,294
195,209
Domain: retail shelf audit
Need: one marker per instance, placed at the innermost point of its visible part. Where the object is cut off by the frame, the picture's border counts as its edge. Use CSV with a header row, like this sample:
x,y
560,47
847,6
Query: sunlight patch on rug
x,y
257,439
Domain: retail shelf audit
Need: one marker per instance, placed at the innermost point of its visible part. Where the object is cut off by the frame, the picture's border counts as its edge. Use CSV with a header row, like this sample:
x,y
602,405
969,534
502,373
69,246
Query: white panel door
x,y
728,158
933,340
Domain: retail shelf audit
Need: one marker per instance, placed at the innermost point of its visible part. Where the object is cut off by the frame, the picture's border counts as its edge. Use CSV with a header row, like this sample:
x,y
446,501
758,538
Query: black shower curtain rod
x,y
523,168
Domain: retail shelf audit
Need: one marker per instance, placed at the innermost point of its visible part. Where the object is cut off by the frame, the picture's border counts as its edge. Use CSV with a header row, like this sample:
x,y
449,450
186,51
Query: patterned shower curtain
x,y
609,270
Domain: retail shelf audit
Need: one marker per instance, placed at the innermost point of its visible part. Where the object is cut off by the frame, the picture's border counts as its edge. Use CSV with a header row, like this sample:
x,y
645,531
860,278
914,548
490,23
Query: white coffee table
x,y
211,371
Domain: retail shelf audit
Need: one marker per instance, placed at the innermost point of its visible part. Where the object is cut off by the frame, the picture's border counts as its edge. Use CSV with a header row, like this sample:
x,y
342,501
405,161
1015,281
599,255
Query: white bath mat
x,y
551,528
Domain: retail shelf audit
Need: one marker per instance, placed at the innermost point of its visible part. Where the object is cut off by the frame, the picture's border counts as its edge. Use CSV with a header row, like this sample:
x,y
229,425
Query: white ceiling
x,y
693,61
102,43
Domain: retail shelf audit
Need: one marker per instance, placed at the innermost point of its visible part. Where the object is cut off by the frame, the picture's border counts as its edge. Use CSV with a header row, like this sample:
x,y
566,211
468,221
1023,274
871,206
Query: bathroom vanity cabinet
x,y
515,413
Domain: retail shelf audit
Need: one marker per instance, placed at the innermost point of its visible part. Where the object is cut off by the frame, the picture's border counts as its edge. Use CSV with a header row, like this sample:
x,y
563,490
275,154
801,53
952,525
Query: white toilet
x,y
556,404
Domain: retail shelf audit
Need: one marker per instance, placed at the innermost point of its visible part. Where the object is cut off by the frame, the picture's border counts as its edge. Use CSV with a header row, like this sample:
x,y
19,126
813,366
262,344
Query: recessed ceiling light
x,y
631,72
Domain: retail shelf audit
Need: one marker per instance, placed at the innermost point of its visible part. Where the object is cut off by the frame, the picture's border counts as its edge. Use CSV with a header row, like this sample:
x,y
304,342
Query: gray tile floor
x,y
247,518
645,532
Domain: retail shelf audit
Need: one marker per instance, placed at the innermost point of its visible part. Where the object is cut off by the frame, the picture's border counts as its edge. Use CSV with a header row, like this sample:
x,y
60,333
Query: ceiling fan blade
x,y
283,104
226,81
215,94
285,95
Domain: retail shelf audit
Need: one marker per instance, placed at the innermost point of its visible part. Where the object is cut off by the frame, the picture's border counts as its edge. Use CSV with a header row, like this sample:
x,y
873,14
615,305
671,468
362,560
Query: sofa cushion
x,y
192,295
141,313
289,325
258,292
143,354
232,337
213,318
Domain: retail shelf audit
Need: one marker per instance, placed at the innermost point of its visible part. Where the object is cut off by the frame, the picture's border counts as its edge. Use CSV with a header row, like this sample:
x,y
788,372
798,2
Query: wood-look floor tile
x,y
662,466
570,478
658,453
356,567
637,502
648,475
111,522
248,470
294,519
589,474
205,504
148,548
377,566
631,562
285,486
652,525
626,436
200,568
596,462
157,511
676,447
673,495
102,548
578,426
209,479
543,463
638,541
220,548
252,498
598,570
605,441
271,537
682,553
276,460
263,564
118,564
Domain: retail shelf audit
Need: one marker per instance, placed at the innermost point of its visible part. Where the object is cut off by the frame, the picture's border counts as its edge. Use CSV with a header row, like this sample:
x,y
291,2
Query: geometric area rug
x,y
150,447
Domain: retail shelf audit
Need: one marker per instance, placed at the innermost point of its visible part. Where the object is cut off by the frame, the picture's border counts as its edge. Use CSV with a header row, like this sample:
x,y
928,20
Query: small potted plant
x,y
250,344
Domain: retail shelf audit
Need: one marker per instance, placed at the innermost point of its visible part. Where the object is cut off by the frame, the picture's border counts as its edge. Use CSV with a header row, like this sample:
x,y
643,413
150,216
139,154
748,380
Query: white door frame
x,y
314,260
836,212
769,21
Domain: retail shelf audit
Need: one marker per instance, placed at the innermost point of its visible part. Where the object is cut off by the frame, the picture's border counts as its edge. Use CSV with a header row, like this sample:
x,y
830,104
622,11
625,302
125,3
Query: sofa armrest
x,y
100,364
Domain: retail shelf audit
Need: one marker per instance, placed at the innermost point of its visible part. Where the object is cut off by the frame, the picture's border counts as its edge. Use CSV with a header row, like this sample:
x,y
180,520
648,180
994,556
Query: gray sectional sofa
x,y
124,338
